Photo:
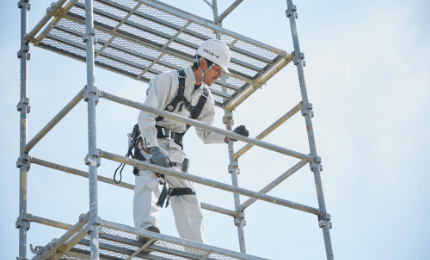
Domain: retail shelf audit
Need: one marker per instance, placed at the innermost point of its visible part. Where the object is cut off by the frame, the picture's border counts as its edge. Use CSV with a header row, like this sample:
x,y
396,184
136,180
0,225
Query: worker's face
x,y
213,74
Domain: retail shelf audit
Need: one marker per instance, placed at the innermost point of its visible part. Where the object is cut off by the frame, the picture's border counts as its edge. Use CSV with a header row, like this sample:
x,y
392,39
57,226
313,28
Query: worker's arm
x,y
158,90
208,117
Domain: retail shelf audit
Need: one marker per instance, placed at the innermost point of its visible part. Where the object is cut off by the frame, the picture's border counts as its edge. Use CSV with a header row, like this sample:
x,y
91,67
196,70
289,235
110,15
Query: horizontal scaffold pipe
x,y
270,129
121,184
54,22
234,103
45,19
200,125
55,120
207,182
48,222
83,219
275,183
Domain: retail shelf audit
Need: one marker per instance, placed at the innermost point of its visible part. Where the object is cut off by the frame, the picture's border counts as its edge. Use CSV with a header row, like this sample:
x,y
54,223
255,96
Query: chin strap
x,y
203,73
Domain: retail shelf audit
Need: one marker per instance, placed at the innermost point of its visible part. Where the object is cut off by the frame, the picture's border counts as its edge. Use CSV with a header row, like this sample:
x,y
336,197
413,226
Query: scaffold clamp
x,y
297,58
22,222
238,220
23,3
93,159
315,163
93,225
228,117
87,36
24,51
90,92
24,160
23,105
233,166
290,11
306,108
324,220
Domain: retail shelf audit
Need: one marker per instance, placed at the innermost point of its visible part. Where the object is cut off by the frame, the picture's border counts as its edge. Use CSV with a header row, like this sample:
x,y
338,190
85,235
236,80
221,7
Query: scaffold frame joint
x,y
306,108
91,92
24,161
93,158
23,105
237,222
24,51
315,163
299,57
22,222
290,11
23,3
93,225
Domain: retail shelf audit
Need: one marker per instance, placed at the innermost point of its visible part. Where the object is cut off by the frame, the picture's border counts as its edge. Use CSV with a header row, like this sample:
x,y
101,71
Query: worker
x,y
184,93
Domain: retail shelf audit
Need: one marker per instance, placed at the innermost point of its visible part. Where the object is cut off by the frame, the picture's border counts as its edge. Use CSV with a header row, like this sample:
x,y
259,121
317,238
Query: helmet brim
x,y
225,69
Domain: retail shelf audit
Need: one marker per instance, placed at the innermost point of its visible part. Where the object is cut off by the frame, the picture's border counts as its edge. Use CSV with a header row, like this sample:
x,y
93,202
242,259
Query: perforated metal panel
x,y
141,39
120,245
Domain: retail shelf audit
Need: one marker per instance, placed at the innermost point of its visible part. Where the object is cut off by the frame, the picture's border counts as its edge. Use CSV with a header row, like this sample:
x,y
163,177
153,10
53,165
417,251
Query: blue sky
x,y
367,74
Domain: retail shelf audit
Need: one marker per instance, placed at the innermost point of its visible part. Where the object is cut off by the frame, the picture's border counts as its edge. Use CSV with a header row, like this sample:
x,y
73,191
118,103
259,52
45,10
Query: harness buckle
x,y
205,94
182,77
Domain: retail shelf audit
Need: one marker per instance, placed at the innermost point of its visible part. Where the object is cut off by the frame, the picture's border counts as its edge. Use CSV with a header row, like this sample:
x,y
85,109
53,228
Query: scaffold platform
x,y
118,242
141,39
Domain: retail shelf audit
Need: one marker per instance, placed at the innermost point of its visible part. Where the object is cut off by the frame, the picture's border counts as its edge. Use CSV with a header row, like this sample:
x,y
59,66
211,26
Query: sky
x,y
367,74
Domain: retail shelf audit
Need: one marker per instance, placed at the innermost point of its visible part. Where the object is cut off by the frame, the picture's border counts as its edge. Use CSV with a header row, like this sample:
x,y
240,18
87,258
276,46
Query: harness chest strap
x,y
196,110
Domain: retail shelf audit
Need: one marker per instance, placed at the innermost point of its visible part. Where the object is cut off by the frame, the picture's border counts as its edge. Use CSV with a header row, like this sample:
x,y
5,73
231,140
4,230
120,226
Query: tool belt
x,y
164,132
168,192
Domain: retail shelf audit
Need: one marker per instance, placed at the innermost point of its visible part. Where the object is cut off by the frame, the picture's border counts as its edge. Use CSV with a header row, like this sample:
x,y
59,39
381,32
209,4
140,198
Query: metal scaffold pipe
x,y
52,11
83,219
23,107
234,103
207,182
200,125
239,221
275,183
92,159
123,184
55,120
229,10
54,22
270,129
324,218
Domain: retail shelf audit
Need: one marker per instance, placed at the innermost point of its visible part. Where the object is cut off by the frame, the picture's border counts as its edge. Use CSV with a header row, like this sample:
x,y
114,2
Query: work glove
x,y
238,130
159,158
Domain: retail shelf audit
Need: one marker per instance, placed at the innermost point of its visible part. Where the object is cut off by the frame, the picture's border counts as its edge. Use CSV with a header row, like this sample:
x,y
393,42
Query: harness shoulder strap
x,y
197,110
172,106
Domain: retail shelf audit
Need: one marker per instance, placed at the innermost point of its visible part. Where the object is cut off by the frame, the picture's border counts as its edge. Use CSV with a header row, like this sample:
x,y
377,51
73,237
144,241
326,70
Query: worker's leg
x,y
186,208
146,193
188,217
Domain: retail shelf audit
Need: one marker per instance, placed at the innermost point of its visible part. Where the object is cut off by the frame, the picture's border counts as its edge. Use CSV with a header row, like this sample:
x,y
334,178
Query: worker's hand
x,y
239,130
159,158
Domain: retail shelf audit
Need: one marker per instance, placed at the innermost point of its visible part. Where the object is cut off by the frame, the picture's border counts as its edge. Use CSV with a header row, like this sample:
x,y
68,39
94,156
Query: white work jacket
x,y
161,91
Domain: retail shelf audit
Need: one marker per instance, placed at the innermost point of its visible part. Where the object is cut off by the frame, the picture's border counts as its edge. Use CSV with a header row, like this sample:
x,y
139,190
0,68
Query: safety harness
x,y
135,147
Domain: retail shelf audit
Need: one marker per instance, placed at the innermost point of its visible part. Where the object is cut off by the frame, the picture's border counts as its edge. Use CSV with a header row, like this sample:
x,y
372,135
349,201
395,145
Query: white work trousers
x,y
186,208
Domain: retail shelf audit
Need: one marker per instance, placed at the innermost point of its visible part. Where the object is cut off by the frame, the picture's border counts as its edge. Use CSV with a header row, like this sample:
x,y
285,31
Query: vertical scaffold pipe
x,y
239,221
228,119
92,159
22,223
306,111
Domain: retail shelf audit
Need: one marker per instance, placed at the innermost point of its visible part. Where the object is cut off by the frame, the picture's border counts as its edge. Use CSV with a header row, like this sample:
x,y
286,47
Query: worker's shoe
x,y
146,239
153,229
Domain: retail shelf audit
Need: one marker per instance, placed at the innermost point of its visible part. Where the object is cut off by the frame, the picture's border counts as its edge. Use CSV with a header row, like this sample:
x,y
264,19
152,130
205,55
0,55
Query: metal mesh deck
x,y
141,39
118,245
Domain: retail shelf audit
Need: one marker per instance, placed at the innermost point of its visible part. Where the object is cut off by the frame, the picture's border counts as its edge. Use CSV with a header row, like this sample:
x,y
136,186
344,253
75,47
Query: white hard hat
x,y
217,52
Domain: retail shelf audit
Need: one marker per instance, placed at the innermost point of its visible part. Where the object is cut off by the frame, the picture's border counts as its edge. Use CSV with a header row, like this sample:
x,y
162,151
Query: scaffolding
x,y
141,39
